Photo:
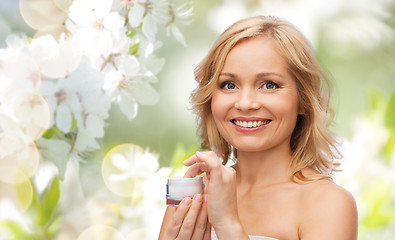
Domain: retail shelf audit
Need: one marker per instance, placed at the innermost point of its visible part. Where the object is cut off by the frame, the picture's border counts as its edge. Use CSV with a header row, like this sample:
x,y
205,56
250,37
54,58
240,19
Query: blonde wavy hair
x,y
312,144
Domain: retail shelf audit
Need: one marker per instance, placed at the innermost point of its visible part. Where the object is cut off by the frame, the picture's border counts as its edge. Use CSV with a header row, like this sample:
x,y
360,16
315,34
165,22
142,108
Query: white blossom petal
x,y
44,48
102,8
136,15
155,64
56,151
85,140
149,27
82,140
131,65
128,107
81,12
96,125
15,42
93,144
120,162
144,93
178,35
112,80
64,62
113,21
119,177
147,164
48,88
64,118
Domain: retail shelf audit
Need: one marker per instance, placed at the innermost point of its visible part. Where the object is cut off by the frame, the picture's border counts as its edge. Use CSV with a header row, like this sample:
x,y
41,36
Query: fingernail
x,y
186,201
198,198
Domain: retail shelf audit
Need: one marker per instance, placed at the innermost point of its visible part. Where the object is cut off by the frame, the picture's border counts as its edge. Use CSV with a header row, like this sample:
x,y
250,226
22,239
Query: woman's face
x,y
255,103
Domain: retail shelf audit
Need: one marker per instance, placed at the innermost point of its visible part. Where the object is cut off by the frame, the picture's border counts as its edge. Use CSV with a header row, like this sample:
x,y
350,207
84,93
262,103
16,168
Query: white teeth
x,y
250,124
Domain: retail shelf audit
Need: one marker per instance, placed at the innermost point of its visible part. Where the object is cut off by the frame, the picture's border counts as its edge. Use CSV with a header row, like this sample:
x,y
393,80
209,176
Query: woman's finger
x,y
207,233
196,169
213,163
191,160
204,162
190,220
201,223
175,224
209,157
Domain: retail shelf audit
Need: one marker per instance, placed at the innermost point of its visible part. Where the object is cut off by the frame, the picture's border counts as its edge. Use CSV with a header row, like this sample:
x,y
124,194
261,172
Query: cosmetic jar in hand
x,y
178,188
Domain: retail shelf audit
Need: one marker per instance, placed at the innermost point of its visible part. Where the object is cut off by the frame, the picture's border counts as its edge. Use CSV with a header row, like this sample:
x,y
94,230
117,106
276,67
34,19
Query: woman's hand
x,y
189,221
220,189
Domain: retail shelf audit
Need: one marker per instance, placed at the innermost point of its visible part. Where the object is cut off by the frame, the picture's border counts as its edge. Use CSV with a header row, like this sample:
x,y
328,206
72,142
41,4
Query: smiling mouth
x,y
250,124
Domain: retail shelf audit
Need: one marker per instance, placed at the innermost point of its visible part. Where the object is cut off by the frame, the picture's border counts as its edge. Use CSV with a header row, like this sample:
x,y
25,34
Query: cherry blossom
x,y
56,92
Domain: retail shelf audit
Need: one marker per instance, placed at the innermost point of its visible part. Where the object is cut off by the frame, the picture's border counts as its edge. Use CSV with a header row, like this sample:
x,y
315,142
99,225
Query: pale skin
x,y
257,195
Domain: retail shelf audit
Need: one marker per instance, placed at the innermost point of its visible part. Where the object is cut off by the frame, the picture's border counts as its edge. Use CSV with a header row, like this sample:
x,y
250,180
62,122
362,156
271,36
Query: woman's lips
x,y
250,124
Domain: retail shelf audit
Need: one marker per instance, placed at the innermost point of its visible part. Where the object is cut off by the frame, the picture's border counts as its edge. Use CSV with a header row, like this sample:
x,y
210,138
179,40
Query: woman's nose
x,y
247,100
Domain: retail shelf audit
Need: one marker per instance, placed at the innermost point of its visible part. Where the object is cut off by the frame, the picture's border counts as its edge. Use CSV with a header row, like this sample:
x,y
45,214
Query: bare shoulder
x,y
328,212
326,192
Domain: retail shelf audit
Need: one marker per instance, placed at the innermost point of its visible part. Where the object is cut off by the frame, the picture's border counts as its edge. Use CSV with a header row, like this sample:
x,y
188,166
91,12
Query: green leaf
x,y
53,229
390,124
48,203
131,33
49,133
133,49
14,231
390,113
51,197
73,124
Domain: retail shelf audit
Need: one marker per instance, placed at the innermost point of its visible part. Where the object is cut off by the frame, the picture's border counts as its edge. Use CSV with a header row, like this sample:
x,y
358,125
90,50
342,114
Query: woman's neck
x,y
264,168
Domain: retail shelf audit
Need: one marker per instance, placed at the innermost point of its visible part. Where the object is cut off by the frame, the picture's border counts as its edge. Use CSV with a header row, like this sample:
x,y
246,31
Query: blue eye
x,y
228,85
270,85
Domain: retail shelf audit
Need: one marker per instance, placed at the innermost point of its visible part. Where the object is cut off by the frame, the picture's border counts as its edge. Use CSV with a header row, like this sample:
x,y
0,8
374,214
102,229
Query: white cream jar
x,y
178,188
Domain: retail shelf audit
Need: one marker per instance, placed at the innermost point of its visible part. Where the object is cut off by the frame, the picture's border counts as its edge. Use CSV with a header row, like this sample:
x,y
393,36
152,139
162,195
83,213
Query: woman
x,y
263,100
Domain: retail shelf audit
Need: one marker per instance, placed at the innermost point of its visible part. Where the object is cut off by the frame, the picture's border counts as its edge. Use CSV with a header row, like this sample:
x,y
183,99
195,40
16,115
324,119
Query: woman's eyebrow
x,y
227,74
258,76
265,74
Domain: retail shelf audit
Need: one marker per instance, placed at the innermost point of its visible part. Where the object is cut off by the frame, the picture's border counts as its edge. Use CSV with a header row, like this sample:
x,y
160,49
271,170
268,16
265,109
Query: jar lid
x,y
181,180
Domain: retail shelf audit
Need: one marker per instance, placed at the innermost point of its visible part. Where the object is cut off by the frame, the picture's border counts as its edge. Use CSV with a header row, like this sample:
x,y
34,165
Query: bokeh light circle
x,y
20,194
55,30
63,4
18,159
65,62
101,232
32,112
115,168
39,14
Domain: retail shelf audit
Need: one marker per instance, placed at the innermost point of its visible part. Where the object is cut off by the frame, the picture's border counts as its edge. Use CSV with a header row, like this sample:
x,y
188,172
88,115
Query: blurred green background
x,y
354,41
